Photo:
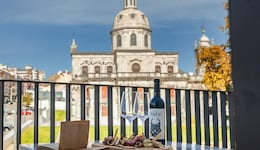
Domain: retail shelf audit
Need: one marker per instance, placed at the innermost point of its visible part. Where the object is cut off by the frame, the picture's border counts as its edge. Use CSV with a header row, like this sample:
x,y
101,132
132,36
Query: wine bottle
x,y
157,115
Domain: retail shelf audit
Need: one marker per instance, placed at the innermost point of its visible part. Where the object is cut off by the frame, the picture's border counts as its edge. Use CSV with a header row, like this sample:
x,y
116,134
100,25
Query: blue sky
x,y
40,32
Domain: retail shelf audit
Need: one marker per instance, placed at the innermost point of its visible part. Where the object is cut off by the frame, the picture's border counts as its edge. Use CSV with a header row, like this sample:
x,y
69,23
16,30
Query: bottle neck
x,y
156,90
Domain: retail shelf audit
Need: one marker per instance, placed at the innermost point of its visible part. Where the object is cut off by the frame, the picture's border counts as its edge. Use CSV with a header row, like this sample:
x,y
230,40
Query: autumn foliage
x,y
217,65
27,99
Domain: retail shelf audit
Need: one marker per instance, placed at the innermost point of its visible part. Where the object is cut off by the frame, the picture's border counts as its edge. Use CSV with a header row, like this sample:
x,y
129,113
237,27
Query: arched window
x,y
119,41
157,69
133,39
97,69
136,67
170,69
84,70
146,40
109,69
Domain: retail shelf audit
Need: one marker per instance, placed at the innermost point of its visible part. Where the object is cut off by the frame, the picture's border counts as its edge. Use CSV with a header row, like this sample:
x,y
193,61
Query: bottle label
x,y
156,122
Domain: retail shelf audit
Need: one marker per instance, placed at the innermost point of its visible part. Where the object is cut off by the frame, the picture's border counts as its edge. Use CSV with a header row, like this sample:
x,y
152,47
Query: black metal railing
x,y
217,107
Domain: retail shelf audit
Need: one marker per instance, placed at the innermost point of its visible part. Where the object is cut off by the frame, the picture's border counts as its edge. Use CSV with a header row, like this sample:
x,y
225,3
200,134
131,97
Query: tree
x,y
27,99
217,67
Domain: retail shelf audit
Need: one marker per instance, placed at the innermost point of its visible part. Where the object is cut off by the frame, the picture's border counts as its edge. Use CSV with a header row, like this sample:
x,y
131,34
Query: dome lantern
x,y
130,4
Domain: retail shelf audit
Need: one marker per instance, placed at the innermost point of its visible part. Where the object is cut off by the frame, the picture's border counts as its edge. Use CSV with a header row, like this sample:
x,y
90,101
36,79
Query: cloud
x,y
82,12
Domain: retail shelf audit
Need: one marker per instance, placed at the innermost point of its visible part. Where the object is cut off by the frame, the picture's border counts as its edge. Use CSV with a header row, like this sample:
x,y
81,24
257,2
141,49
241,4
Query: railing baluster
x,y
110,110
122,120
206,117
168,114
18,113
215,118
97,101
68,103
135,122
188,117
146,102
1,114
231,119
111,103
52,115
82,102
36,110
223,97
197,117
178,116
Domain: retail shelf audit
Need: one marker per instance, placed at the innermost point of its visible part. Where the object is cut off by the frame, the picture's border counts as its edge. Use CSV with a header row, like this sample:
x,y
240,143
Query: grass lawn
x,y
44,133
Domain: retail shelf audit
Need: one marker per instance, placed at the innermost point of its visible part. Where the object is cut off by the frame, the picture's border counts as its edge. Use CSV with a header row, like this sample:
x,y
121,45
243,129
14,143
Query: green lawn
x,y
44,133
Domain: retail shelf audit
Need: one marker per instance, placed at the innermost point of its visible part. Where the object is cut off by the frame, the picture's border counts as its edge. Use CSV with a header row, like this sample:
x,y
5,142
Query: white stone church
x,y
132,60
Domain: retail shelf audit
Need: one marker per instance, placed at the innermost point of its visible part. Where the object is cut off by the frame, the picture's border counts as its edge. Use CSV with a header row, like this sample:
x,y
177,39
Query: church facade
x,y
132,61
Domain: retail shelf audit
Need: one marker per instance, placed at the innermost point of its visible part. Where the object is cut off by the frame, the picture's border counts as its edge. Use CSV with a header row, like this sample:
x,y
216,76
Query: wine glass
x,y
142,107
127,110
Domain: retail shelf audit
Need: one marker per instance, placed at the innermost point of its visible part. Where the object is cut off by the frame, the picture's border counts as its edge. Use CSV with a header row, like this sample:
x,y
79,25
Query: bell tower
x,y
130,4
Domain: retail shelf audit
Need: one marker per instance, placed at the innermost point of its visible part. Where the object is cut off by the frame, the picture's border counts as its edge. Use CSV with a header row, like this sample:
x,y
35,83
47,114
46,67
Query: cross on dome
x,y
130,4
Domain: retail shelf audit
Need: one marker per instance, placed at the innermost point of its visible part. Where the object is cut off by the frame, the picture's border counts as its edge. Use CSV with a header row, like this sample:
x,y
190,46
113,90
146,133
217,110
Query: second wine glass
x,y
141,106
127,111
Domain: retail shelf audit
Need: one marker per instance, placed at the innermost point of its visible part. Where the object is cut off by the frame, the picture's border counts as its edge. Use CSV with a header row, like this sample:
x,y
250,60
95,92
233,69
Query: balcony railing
x,y
209,111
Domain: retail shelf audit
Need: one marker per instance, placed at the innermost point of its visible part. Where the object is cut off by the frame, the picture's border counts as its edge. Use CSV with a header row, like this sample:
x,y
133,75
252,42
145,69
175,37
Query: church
x,y
132,60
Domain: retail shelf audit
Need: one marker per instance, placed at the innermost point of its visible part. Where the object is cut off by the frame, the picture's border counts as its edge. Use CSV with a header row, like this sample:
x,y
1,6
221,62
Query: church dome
x,y
130,18
131,30
204,40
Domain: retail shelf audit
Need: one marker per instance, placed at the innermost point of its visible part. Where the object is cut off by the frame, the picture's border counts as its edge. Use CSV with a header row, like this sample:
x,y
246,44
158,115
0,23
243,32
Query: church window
x,y
84,70
146,40
136,67
120,16
170,69
158,69
97,69
119,41
134,3
133,40
131,2
132,16
126,3
109,69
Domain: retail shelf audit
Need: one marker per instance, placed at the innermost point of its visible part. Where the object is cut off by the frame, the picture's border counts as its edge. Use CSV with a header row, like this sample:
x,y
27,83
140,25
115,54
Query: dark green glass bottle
x,y
157,115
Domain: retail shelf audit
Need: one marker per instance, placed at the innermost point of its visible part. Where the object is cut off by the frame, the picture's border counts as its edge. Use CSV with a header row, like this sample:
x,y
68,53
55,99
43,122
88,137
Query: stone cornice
x,y
122,28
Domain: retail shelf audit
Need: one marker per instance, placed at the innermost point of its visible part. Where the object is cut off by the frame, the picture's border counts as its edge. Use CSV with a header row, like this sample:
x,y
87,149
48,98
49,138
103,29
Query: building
x,y
203,42
132,61
12,73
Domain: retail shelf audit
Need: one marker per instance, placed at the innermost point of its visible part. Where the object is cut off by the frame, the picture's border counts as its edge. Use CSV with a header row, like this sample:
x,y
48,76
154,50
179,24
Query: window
x,y
133,40
146,40
126,3
109,69
136,67
157,69
131,2
132,16
119,41
170,69
97,69
120,16
84,70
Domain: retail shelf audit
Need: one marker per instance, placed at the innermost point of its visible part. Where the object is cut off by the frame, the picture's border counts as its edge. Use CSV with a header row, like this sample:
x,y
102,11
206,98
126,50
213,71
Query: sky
x,y
39,33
